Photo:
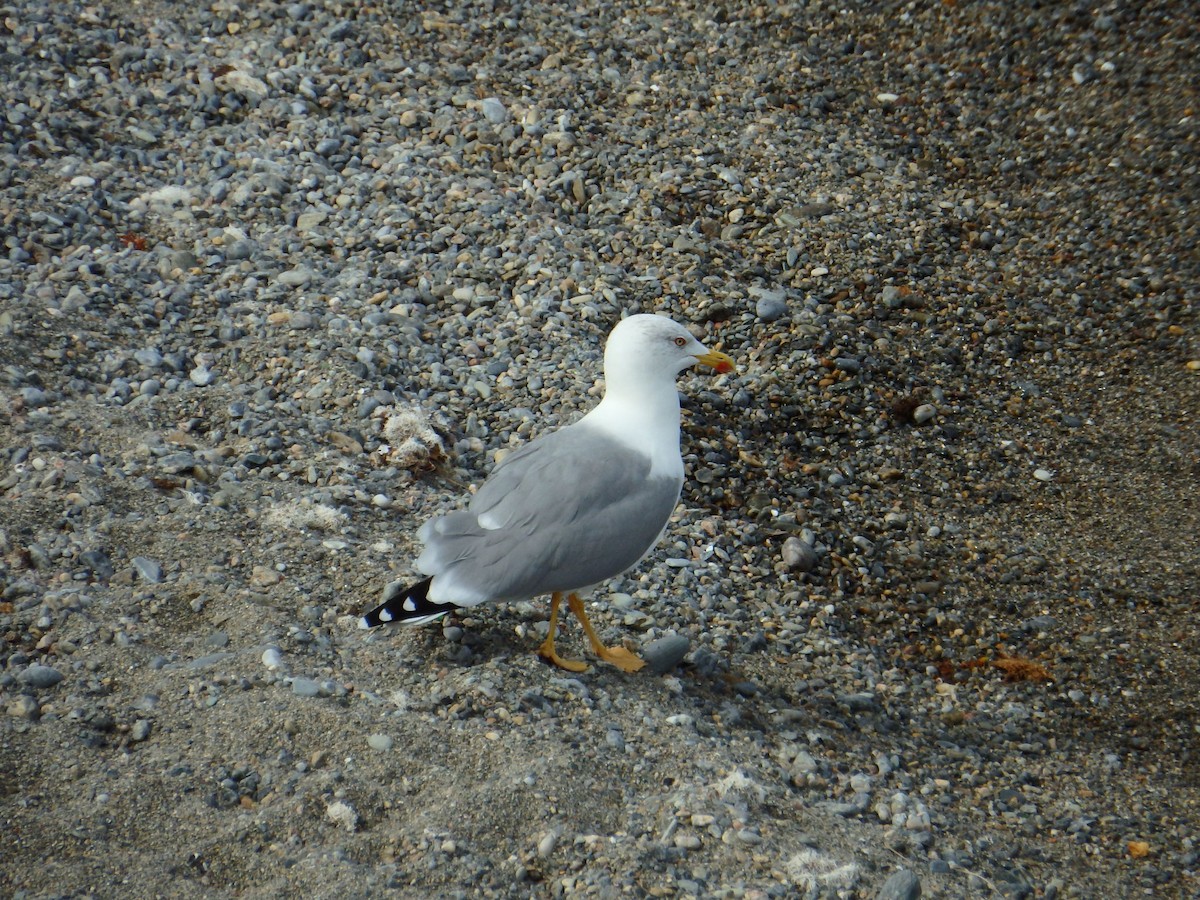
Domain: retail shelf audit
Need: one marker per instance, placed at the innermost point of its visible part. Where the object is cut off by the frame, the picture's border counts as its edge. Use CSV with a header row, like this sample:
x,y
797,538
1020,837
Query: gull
x,y
573,508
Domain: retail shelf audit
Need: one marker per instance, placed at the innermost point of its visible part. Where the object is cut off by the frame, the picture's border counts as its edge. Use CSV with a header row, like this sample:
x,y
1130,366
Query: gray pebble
x,y
666,653
705,662
803,763
140,730
902,885
615,738
494,111
854,807
771,305
863,702
798,555
296,277
34,397
149,357
1040,623
209,659
305,687
148,569
240,249
217,640
98,563
39,676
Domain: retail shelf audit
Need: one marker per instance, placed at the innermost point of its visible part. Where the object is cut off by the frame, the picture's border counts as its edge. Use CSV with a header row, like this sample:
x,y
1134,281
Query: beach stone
x,y
305,687
664,654
902,885
771,305
798,555
147,569
924,413
39,676
494,110
380,742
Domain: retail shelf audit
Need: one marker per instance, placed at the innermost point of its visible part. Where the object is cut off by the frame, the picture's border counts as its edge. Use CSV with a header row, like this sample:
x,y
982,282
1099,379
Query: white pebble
x,y
380,742
272,658
547,844
201,376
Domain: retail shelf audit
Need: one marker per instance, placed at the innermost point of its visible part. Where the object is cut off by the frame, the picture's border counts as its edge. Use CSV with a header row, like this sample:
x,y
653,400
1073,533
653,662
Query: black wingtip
x,y
406,604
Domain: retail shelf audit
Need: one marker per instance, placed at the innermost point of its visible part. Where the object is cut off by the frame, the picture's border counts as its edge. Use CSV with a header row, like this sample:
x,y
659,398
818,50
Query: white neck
x,y
647,421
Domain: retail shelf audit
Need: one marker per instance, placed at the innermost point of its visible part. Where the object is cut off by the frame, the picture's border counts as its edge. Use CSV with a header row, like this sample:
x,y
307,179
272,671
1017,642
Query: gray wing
x,y
569,510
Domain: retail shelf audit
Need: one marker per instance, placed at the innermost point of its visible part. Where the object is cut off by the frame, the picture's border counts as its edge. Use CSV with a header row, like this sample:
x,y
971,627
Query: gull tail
x,y
409,605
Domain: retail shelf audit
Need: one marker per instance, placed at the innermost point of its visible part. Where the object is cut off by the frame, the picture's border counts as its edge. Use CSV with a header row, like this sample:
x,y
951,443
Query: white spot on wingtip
x,y
363,623
409,605
385,615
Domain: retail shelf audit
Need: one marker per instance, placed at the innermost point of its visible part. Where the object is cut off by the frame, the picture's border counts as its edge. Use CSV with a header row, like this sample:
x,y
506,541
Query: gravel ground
x,y
279,281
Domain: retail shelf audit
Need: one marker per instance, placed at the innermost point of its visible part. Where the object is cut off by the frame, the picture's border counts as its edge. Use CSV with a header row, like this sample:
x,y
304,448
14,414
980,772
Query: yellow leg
x,y
618,656
546,650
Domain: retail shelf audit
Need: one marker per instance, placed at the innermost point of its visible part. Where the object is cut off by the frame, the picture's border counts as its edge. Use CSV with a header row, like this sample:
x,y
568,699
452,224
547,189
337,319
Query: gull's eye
x,y
680,342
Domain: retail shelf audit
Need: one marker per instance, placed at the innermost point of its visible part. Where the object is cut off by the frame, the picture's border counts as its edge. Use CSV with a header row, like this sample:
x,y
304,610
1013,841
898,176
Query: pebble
x,y
547,844
305,687
901,885
798,555
804,763
297,277
494,110
664,654
771,305
380,742
924,413
615,739
98,562
39,676
147,569
201,376
848,364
